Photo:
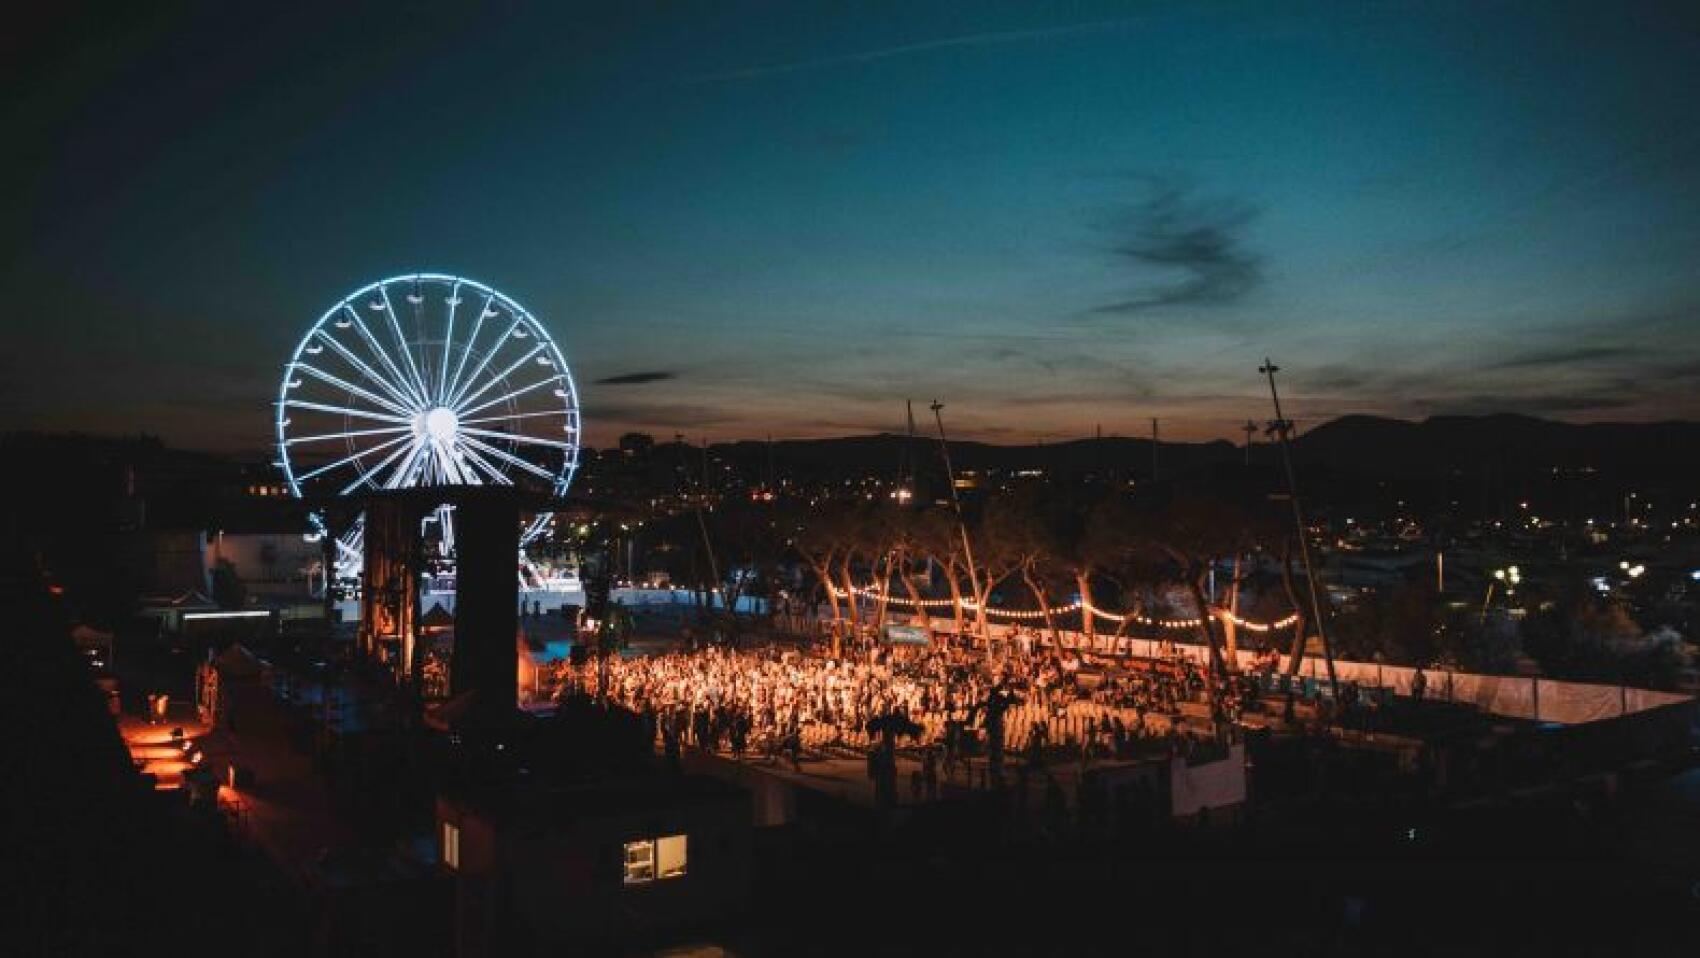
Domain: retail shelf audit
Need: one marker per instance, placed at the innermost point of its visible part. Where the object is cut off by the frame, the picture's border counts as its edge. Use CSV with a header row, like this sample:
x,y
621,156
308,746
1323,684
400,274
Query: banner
x,y
907,635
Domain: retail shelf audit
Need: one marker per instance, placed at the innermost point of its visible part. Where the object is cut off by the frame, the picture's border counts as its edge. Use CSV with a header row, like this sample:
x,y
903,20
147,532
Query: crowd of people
x,y
776,700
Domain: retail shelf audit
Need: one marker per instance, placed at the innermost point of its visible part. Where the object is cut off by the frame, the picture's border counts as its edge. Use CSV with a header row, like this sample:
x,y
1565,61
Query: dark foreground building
x,y
554,869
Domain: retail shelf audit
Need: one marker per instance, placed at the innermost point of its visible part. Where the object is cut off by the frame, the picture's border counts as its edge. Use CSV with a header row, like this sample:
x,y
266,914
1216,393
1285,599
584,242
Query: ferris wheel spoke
x,y
515,394
442,456
518,437
321,470
550,413
383,355
346,411
500,377
453,468
365,370
472,455
416,300
477,326
365,477
401,340
483,364
507,457
324,437
340,383
409,466
448,342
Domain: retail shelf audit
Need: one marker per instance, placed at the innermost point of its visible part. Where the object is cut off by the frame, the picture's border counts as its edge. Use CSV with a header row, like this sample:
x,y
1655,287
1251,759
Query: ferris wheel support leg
x,y
486,600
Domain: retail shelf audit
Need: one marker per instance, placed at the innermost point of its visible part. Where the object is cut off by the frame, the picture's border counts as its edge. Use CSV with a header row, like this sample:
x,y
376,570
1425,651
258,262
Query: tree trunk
x,y
822,567
904,573
1229,627
984,601
955,596
848,584
1121,630
1040,597
1196,585
823,572
885,595
1088,627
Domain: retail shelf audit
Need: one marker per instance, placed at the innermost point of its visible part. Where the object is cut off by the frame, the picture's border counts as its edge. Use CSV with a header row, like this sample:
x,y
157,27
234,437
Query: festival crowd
x,y
777,699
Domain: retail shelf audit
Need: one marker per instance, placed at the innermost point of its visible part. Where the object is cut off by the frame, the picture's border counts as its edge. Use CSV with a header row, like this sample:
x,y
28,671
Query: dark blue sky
x,y
794,215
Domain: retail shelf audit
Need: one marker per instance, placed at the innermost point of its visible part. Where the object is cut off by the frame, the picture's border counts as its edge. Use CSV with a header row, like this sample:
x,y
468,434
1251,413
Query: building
x,y
564,867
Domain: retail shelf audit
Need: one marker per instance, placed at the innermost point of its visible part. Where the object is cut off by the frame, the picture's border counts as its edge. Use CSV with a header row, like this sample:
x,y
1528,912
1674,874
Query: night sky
x,y
784,218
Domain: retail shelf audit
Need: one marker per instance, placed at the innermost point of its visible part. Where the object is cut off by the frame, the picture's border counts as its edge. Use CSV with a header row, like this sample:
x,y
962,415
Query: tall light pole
x,y
962,527
1282,427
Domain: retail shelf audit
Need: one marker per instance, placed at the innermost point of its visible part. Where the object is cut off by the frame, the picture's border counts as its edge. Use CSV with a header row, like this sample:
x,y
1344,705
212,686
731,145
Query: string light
x,y
1030,614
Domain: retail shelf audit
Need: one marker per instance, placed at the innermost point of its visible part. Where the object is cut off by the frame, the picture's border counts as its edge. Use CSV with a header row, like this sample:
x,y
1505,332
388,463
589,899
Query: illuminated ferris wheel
x,y
426,380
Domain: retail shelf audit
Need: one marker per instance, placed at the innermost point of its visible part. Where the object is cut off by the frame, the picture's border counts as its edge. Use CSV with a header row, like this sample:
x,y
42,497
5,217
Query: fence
x,y
1513,696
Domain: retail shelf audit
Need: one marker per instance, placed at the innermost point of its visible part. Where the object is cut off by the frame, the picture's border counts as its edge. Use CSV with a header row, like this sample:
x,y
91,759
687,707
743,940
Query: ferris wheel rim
x,y
410,388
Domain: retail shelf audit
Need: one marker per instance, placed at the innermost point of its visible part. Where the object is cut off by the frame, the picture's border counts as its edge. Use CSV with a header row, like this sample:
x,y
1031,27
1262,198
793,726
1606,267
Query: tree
x,y
1191,530
1576,634
1404,624
1004,540
1094,537
751,541
227,587
934,533
821,536
908,534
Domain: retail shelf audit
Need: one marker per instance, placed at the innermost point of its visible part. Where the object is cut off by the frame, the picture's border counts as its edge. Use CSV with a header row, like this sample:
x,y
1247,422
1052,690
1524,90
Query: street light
x,y
1510,576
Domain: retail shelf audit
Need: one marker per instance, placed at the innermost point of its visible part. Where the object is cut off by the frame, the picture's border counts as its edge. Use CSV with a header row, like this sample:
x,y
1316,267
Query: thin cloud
x,y
1202,240
1563,357
963,41
638,379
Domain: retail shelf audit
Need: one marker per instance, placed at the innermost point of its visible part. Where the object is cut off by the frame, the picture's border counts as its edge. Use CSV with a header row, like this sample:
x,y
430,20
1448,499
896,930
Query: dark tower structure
x,y
389,580
486,660
486,587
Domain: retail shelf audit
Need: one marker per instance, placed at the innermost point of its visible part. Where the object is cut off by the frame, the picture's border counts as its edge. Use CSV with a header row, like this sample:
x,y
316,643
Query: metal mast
x,y
1282,427
962,526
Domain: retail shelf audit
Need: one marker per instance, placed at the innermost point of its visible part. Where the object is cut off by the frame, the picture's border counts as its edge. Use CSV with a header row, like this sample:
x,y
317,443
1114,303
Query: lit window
x,y
640,862
670,856
451,845
655,858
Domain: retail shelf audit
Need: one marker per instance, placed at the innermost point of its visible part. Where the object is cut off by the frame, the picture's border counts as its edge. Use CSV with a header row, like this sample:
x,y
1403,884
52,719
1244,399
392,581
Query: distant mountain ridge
x,y
1356,444
1369,445
1445,444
